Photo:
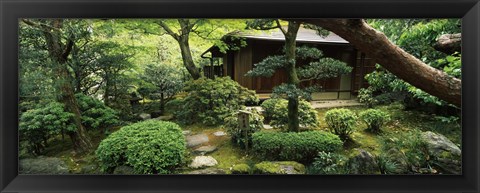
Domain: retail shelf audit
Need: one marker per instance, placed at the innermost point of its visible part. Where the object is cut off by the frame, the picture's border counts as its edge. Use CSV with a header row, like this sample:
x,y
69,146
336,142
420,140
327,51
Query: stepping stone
x,y
194,140
203,161
205,149
219,133
145,116
186,132
267,127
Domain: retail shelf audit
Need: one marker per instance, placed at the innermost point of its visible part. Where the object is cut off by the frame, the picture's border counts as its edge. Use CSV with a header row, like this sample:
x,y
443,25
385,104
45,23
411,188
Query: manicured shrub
x,y
302,147
95,114
341,122
150,147
375,119
45,120
211,101
327,163
238,134
276,111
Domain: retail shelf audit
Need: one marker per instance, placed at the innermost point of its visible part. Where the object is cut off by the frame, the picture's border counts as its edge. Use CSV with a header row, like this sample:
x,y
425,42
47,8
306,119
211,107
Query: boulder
x,y
219,133
205,149
279,167
240,169
144,116
208,171
124,170
43,165
363,162
444,153
194,140
203,161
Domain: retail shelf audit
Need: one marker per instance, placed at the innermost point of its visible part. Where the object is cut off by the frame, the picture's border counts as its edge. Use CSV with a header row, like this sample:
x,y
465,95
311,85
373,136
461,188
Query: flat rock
x,y
203,161
267,127
43,165
194,140
145,116
186,132
219,133
205,149
208,171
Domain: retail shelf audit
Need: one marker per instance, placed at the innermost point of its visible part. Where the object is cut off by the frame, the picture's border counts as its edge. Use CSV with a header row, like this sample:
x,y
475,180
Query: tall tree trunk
x,y
187,57
59,53
394,59
185,28
290,47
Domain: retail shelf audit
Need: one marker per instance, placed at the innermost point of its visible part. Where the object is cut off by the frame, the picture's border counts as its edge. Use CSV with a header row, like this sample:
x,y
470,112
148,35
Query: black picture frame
x,y
12,10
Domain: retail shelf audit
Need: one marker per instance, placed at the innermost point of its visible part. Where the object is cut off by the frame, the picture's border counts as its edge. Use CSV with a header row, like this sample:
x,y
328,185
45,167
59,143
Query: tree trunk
x,y
394,59
162,102
59,53
187,57
290,47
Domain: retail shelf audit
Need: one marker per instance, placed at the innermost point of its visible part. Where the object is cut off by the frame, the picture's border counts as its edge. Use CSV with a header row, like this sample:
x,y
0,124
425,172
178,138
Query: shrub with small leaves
x,y
327,163
365,95
341,122
238,134
150,147
95,114
302,147
211,101
374,119
276,111
45,120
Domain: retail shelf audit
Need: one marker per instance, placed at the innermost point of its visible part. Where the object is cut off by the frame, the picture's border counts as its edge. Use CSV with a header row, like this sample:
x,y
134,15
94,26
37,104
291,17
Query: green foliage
x,y
385,165
365,95
417,37
45,120
211,101
150,147
302,146
166,79
327,163
241,169
408,151
375,119
276,111
174,105
238,134
95,114
341,122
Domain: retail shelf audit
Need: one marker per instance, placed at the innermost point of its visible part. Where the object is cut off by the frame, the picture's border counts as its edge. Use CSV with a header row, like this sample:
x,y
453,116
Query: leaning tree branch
x,y
394,59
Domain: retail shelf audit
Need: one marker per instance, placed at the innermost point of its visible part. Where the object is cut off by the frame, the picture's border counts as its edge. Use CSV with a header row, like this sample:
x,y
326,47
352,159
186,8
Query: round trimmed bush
x,y
276,111
302,147
150,147
211,101
375,119
341,122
